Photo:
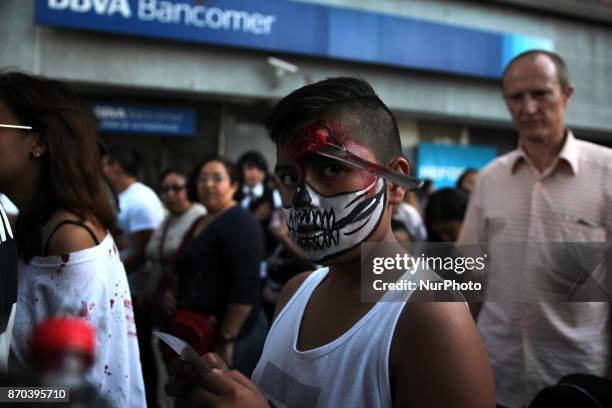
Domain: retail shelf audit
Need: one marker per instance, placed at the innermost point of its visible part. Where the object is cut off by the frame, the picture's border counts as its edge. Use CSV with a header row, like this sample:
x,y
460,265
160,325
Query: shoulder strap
x,y
71,222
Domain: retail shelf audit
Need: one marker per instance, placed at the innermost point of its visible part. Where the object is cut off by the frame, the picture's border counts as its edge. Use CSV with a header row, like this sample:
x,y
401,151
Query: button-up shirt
x,y
534,344
250,194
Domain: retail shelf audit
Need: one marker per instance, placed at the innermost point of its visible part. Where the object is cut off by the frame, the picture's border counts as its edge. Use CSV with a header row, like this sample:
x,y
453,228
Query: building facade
x,y
184,79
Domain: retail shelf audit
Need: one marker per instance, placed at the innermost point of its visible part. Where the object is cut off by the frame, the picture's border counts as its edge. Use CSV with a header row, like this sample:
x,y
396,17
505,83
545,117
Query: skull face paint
x,y
328,216
325,227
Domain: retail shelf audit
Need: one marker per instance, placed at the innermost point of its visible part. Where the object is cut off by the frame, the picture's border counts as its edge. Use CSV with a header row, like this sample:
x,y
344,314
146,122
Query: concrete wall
x,y
159,65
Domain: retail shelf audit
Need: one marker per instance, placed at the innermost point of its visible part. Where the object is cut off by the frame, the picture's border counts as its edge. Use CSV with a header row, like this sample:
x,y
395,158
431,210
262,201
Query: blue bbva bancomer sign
x,y
120,118
444,163
299,28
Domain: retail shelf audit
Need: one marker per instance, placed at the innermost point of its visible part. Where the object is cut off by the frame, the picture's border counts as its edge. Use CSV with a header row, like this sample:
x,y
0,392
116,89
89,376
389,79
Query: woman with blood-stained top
x,y
68,261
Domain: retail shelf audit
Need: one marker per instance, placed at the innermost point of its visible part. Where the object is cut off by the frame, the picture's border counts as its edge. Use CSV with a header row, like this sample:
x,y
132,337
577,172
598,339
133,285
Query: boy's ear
x,y
396,193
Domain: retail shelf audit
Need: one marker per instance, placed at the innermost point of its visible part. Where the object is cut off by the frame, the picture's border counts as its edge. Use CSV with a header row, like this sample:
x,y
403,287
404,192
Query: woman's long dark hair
x,y
70,174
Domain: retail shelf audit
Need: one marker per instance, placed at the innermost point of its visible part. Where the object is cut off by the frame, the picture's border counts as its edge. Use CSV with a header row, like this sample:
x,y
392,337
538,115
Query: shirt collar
x,y
569,153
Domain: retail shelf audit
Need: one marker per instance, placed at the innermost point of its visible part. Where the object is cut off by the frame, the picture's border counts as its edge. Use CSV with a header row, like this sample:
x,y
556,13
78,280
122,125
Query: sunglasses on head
x,y
174,189
3,125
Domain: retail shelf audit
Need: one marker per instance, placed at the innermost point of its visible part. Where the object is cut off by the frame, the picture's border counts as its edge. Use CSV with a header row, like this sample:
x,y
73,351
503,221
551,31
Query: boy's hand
x,y
226,352
227,389
185,376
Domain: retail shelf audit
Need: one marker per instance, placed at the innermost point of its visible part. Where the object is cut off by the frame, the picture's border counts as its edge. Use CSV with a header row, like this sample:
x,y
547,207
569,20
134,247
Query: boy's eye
x,y
333,170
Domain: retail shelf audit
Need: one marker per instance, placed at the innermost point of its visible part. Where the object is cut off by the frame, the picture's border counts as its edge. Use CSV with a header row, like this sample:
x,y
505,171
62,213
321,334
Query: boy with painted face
x,y
326,347
323,221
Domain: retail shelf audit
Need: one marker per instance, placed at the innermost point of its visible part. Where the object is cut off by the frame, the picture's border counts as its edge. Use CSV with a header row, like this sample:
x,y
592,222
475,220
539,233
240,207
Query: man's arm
x,y
234,318
472,232
136,253
437,359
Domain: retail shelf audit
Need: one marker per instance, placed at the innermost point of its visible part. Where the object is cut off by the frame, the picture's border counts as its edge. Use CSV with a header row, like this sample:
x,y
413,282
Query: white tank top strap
x,y
305,289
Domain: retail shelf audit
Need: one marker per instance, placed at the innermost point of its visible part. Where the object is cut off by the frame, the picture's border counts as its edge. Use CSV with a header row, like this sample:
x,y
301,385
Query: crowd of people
x,y
260,272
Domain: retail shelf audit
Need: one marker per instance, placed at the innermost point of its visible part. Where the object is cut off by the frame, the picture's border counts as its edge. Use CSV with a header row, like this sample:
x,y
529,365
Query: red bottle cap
x,y
64,334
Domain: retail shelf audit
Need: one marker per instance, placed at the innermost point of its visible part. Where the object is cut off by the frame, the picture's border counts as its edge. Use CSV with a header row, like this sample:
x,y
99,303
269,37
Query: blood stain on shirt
x,y
85,310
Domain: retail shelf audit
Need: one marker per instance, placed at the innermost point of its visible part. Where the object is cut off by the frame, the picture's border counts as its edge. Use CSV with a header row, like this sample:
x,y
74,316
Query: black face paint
x,y
326,227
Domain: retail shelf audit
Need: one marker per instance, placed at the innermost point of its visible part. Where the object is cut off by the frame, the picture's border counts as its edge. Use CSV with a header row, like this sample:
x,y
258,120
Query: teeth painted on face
x,y
317,228
320,241
319,218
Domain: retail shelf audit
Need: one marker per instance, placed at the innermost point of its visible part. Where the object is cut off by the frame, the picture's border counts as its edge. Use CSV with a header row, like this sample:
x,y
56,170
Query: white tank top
x,y
351,371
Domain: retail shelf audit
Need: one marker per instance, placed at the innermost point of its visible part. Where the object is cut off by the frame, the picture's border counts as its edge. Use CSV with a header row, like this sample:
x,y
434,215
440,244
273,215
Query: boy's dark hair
x,y
351,101
562,72
127,157
252,158
192,180
446,204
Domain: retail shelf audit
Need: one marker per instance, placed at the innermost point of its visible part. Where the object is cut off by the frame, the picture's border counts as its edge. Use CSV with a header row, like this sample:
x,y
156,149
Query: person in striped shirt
x,y
553,188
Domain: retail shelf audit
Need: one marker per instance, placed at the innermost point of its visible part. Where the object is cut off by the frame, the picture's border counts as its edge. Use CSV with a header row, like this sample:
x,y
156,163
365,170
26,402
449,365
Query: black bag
x,y
576,390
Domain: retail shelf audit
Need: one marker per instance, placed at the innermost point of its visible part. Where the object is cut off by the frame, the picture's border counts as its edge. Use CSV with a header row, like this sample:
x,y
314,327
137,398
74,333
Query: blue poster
x,y
299,28
444,163
119,118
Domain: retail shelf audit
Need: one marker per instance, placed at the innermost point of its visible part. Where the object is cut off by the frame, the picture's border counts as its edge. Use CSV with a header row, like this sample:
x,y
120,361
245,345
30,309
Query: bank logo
x,y
167,12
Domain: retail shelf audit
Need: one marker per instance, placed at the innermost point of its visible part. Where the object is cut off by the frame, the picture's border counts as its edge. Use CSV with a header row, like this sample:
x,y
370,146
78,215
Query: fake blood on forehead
x,y
312,137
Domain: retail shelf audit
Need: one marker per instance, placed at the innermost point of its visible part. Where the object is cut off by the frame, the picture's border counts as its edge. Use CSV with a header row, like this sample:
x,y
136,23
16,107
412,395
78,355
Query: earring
x,y
35,155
